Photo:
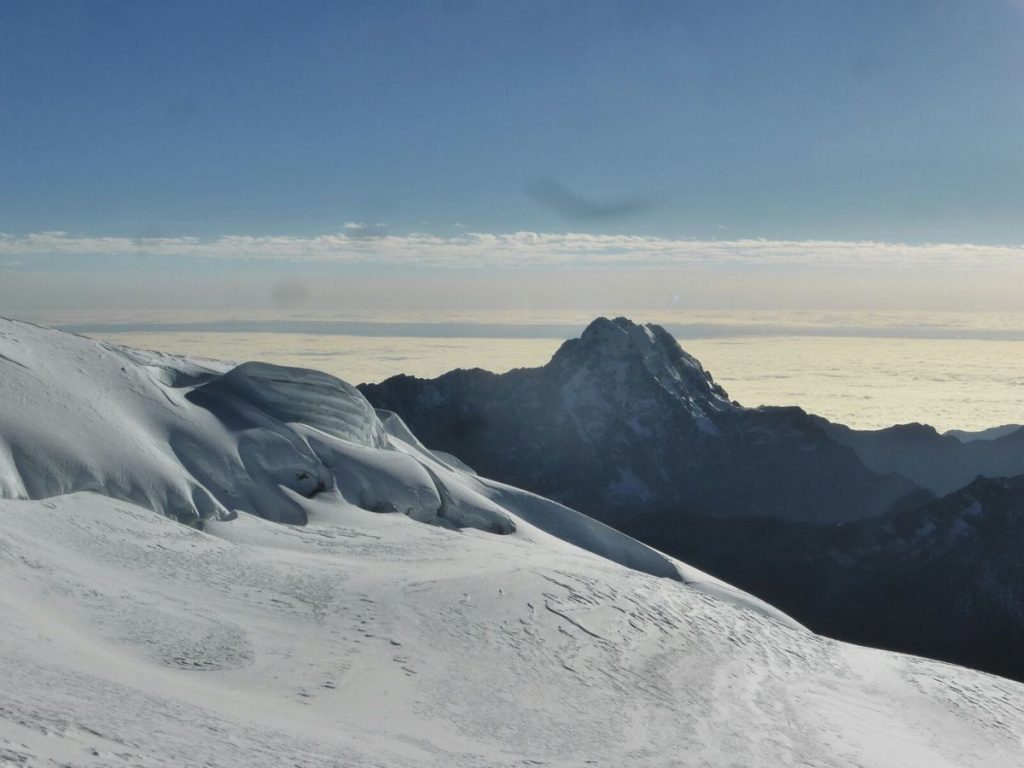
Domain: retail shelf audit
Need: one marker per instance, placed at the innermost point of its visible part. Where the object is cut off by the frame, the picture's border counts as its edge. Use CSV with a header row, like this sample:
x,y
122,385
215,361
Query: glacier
x,y
205,563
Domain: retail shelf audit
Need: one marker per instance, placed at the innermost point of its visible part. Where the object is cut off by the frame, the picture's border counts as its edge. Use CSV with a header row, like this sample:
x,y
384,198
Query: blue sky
x,y
894,122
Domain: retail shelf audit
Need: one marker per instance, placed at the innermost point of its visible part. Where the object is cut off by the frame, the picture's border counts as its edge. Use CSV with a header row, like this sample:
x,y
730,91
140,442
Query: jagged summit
x,y
625,425
613,348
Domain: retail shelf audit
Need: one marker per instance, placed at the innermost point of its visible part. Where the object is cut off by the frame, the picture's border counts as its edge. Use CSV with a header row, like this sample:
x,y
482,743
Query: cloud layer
x,y
368,244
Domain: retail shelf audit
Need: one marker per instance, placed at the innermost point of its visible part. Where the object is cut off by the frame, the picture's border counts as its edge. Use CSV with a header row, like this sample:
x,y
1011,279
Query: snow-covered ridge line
x,y
201,440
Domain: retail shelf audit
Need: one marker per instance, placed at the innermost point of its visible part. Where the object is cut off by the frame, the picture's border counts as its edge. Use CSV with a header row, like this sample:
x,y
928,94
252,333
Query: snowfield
x,y
203,564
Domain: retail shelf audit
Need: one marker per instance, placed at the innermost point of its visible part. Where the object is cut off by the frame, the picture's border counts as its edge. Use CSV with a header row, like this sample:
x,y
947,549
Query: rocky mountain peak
x,y
609,346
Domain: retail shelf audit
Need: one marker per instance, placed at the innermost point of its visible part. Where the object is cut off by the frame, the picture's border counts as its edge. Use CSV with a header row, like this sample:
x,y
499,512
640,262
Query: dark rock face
x,y
623,424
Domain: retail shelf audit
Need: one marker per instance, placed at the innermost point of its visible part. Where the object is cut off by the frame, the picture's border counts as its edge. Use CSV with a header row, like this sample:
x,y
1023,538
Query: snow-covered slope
x,y
511,631
200,441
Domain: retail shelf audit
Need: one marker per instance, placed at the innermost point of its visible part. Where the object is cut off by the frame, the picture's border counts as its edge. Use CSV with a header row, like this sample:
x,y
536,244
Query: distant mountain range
x,y
627,427
940,463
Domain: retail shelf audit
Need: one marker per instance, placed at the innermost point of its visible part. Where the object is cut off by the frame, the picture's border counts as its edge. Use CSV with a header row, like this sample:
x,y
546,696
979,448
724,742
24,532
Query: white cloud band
x,y
516,250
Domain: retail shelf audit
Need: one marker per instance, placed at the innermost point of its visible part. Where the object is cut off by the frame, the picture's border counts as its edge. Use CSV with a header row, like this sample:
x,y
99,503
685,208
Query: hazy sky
x,y
451,154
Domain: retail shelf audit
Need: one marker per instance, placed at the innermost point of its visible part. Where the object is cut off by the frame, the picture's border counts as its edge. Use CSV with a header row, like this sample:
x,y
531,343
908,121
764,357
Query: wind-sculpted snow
x,y
293,395
199,441
79,415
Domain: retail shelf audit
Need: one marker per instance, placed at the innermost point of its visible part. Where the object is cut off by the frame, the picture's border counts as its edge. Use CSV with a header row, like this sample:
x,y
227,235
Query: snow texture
x,y
511,631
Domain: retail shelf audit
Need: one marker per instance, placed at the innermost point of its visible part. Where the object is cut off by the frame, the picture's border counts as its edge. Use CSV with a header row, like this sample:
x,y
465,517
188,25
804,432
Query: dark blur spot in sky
x,y
559,198
289,294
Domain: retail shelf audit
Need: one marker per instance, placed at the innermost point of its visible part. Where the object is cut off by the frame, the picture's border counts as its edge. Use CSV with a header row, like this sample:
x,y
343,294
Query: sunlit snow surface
x,y
371,638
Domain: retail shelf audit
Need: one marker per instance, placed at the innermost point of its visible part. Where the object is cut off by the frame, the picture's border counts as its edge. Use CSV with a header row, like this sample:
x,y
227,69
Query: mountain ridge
x,y
626,396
